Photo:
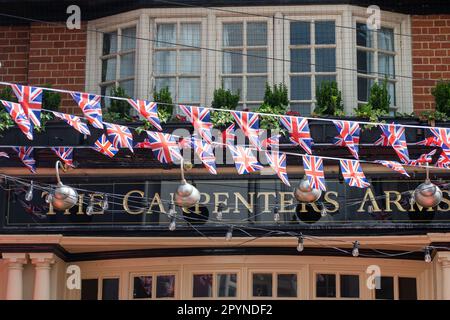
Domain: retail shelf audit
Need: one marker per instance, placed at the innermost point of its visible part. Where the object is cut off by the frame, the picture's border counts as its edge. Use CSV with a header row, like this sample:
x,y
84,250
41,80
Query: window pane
x,y
386,65
386,39
303,108
166,82
188,90
106,91
256,33
142,287
255,64
287,285
233,84
407,289
301,88
128,86
232,61
202,286
349,286
190,34
227,285
109,69
325,32
89,289
320,79
127,65
190,62
365,61
165,62
300,60
326,60
262,284
165,286
325,285
110,290
128,39
165,35
387,289
109,43
300,33
364,36
364,85
255,88
232,34
391,90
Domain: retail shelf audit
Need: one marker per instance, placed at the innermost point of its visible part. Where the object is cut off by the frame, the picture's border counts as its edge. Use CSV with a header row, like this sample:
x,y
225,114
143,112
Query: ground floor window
x,y
214,285
399,288
109,289
154,286
276,285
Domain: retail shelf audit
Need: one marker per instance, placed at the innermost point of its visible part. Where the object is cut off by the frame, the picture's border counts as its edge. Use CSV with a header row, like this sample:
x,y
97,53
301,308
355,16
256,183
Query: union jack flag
x,y
424,158
103,145
442,135
4,154
74,122
313,167
164,146
120,136
185,143
382,141
428,142
26,156
271,142
200,118
444,159
299,131
228,136
277,160
244,160
205,152
348,136
30,98
147,109
353,174
17,114
90,105
396,138
143,145
65,154
394,165
249,124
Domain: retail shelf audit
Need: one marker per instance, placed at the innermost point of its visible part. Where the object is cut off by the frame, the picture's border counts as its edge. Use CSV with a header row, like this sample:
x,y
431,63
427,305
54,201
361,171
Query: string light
x,y
323,211
300,245
105,204
370,208
355,251
427,256
229,234
276,214
172,210
29,194
90,207
412,200
219,215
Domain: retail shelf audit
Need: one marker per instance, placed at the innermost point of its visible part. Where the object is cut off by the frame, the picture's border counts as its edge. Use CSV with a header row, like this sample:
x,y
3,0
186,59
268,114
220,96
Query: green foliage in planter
x,y
435,115
329,99
441,95
379,98
276,96
165,108
223,99
119,110
275,102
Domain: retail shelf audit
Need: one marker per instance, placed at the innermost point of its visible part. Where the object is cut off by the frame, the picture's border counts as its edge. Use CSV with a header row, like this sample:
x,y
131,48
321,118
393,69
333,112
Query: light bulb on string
x,y
105,204
173,224
172,210
412,201
427,256
276,214
219,215
355,250
90,207
229,234
370,208
49,198
300,245
29,194
323,211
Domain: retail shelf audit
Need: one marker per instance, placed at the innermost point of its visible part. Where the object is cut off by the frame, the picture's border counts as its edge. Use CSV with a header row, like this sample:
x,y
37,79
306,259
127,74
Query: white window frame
x,y
154,274
396,276
337,18
278,271
244,75
214,273
338,275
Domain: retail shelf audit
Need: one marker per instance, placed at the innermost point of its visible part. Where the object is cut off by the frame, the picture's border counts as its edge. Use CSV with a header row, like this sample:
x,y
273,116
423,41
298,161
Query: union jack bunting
x,y
249,124
313,167
348,136
26,156
271,142
74,122
142,145
228,136
244,159
298,132
185,143
442,135
120,136
444,159
353,174
147,109
65,154
424,158
90,105
30,98
17,114
200,118
4,155
382,141
103,145
428,142
396,138
394,165
164,146
277,161
205,152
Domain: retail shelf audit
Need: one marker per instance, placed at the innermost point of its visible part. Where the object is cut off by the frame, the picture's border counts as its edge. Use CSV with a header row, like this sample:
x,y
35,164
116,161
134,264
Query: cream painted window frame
x,y
280,270
338,275
154,274
396,277
215,272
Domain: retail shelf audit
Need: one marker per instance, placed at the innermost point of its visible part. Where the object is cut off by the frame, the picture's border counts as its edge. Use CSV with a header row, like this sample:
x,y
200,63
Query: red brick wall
x,y
14,48
431,57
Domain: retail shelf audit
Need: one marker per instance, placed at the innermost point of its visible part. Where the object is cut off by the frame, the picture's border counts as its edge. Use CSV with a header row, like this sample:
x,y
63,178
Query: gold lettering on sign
x,y
248,204
396,202
266,196
446,201
218,201
333,202
125,202
156,201
371,197
96,199
286,202
50,206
